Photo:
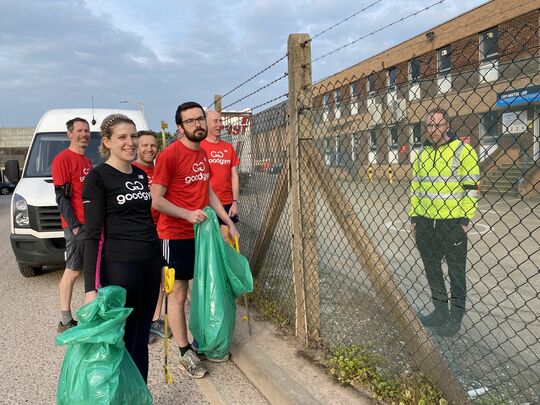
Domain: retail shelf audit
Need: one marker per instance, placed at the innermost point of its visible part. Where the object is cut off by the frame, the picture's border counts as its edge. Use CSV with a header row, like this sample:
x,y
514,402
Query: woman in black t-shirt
x,y
121,245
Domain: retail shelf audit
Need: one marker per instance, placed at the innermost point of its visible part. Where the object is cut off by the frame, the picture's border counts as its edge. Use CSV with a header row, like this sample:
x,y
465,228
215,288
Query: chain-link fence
x,y
327,189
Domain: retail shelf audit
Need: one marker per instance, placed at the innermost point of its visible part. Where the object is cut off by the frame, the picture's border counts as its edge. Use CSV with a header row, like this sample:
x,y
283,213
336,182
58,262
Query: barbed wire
x,y
269,101
444,33
283,57
256,91
250,79
342,21
378,30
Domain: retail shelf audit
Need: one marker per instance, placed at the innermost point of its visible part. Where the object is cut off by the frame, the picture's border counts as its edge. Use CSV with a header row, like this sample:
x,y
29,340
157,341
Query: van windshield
x,y
47,145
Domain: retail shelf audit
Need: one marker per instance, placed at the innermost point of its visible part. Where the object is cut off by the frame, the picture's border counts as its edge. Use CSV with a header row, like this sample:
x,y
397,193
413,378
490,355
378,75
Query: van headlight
x,y
20,212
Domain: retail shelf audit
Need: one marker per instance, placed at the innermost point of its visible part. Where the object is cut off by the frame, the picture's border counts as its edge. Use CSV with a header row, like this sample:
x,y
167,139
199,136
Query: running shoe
x,y
192,365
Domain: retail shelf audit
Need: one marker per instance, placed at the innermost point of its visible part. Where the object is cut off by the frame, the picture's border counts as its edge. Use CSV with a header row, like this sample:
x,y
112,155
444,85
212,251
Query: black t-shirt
x,y
117,206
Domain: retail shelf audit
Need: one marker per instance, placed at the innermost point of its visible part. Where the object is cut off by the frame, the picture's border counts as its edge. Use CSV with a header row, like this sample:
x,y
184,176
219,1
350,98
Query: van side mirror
x,y
11,170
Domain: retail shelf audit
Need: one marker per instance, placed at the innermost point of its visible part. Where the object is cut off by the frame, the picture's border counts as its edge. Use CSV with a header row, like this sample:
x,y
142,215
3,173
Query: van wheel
x,y
4,191
29,271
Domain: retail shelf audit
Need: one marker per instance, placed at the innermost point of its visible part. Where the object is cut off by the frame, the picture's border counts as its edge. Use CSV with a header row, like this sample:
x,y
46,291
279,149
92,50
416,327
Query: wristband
x,y
235,201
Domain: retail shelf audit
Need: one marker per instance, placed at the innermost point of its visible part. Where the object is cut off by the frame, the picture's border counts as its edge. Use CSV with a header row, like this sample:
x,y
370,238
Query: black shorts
x,y
227,207
180,254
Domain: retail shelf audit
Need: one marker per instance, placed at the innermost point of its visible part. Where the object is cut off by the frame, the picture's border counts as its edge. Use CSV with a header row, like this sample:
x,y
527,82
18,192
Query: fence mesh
x,y
358,139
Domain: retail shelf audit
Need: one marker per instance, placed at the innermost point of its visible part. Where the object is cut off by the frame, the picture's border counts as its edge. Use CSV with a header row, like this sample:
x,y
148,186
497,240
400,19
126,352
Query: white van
x,y
37,238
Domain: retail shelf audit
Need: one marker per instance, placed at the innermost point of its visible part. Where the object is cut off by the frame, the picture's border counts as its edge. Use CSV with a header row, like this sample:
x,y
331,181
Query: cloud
x,y
58,53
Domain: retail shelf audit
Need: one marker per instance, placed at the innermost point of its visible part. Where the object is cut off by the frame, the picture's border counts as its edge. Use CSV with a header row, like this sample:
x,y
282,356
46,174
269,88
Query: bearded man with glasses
x,y
180,190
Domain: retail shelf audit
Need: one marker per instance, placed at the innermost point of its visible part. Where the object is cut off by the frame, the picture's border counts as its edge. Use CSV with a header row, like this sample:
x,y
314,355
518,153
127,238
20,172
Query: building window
x,y
354,91
488,44
325,100
325,105
394,138
417,135
373,140
371,84
489,128
337,102
444,62
414,70
391,78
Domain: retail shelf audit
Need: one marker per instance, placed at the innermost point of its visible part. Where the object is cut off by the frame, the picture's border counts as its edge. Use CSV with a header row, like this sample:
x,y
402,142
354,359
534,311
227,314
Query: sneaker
x,y
158,328
192,365
70,324
223,359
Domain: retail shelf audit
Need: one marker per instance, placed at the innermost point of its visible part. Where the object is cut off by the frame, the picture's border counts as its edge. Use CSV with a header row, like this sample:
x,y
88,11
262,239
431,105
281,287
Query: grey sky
x,y
59,53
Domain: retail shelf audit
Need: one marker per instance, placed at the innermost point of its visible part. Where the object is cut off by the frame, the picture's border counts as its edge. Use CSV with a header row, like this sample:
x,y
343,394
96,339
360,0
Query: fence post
x,y
303,213
217,103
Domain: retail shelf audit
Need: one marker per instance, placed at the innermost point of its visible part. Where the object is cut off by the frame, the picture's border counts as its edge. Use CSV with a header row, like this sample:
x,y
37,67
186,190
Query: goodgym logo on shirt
x,y
199,173
217,158
137,193
85,171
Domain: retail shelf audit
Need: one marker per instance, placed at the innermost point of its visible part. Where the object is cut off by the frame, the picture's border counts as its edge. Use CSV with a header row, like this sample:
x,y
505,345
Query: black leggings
x,y
141,279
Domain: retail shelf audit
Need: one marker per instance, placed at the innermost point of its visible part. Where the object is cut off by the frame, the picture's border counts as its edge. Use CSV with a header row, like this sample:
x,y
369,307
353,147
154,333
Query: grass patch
x,y
358,365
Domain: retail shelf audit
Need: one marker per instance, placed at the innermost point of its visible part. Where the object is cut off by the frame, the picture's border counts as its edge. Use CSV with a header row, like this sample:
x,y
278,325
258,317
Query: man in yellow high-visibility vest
x,y
444,193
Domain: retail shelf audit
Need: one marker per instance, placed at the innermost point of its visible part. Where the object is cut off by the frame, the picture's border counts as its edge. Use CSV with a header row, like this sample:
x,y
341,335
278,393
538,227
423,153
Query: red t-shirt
x,y
71,167
222,159
150,174
186,174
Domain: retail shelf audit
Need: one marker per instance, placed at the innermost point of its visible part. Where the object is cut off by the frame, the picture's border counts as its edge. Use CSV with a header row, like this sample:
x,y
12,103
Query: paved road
x,y
30,363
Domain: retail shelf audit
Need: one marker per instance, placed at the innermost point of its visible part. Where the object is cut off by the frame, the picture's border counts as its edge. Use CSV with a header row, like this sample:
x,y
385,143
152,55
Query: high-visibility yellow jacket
x,y
445,182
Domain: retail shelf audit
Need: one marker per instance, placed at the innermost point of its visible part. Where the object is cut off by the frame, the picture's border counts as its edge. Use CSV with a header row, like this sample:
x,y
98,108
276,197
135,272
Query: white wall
x,y
16,137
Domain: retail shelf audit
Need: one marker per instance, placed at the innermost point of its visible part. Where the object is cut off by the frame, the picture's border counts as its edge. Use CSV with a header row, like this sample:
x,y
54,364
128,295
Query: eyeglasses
x,y
201,120
435,126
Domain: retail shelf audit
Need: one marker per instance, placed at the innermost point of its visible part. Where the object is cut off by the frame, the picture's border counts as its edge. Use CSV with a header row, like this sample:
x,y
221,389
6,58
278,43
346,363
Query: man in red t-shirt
x,y
69,169
224,164
180,190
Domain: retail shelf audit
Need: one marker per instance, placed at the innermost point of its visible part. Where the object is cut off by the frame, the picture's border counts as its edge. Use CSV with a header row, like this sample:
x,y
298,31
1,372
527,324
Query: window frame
x,y
373,147
370,83
482,38
391,78
443,58
412,78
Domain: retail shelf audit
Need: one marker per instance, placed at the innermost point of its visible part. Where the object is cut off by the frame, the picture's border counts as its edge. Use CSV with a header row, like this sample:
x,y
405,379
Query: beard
x,y
197,135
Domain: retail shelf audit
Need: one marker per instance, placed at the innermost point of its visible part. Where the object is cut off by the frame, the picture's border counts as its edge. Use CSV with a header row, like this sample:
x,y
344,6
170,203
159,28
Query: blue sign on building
x,y
518,96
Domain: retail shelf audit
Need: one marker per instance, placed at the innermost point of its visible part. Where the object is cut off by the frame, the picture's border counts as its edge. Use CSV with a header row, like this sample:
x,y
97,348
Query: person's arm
x,y
470,174
66,210
161,204
216,205
94,201
235,182
61,175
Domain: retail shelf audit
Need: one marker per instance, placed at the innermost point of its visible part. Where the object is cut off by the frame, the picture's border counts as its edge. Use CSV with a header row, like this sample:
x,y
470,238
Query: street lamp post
x,y
139,102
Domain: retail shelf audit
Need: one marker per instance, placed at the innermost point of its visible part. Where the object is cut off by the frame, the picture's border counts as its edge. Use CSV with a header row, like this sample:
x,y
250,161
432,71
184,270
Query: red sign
x,y
239,127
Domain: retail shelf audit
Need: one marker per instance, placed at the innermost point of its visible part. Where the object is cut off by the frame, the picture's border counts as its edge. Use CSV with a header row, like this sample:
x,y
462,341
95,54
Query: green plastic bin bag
x,y
97,368
220,276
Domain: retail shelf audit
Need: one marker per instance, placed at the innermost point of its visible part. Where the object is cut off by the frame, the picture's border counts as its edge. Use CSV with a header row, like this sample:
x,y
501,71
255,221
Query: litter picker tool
x,y
167,288
246,304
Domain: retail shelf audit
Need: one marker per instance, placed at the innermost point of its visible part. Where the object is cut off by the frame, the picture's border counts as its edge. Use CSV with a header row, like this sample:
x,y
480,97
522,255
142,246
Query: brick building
x,y
482,67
